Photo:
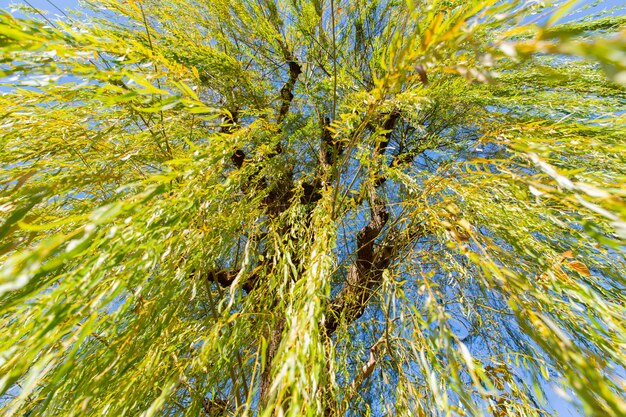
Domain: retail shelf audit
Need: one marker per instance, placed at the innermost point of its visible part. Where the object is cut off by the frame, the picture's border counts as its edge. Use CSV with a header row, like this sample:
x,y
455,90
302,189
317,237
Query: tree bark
x,y
275,337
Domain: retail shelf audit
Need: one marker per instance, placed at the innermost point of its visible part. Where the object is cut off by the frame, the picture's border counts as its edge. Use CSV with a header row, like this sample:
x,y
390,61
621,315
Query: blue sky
x,y
43,4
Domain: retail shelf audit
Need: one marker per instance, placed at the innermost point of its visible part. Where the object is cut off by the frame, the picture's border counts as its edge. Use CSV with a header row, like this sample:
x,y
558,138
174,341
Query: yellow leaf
x,y
580,267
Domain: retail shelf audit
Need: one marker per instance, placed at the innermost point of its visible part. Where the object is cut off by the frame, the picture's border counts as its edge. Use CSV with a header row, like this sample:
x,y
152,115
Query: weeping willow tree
x,y
312,208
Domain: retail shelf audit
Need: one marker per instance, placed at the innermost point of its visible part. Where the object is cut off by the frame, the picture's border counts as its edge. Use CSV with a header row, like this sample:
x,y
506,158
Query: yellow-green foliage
x,y
480,146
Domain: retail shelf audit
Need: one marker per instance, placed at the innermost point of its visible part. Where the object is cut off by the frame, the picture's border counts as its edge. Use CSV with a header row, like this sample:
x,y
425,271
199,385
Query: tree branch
x,y
215,407
388,126
365,372
365,274
329,149
275,337
286,92
225,278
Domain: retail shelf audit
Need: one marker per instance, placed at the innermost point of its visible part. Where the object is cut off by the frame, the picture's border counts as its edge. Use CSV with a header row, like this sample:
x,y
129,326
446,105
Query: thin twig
x,y
40,14
56,7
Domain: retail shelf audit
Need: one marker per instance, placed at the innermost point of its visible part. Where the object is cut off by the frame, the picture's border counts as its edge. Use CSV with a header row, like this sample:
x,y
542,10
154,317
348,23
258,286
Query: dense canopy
x,y
312,208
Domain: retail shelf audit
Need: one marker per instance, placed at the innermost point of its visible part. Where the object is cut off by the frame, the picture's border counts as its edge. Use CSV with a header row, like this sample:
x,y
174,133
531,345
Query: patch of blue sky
x,y
52,9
